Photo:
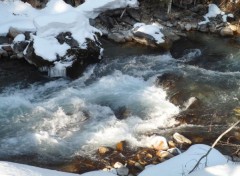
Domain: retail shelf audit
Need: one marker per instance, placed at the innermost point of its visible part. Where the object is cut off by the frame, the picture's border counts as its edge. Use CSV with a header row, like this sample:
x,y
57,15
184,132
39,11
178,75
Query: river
x,y
55,119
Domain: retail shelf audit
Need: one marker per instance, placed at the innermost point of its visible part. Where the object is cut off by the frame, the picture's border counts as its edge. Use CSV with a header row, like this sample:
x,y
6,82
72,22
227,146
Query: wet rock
x,y
164,155
116,37
226,32
121,146
158,143
103,150
168,80
181,139
192,103
122,113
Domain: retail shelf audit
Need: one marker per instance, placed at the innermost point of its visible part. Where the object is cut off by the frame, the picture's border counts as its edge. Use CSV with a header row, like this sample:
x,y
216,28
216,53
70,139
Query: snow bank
x,y
220,170
14,169
182,164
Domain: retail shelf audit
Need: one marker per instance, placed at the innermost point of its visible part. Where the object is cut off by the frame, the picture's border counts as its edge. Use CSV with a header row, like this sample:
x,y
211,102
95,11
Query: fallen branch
x,y
214,144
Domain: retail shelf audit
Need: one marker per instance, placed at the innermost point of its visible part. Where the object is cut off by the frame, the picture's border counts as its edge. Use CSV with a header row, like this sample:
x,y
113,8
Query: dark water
x,y
56,119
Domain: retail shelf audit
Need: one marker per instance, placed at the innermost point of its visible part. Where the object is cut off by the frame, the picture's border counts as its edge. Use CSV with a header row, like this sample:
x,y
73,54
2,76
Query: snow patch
x,y
19,38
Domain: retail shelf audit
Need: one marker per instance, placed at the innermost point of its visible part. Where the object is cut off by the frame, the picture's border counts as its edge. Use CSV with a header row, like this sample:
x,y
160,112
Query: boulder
x,y
180,139
226,32
73,63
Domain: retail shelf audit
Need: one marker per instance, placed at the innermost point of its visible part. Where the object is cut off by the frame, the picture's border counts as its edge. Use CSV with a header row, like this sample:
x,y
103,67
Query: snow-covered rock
x,y
44,48
150,35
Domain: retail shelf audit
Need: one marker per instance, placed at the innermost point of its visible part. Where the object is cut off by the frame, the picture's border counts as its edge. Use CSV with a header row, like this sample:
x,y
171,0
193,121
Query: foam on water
x,y
63,118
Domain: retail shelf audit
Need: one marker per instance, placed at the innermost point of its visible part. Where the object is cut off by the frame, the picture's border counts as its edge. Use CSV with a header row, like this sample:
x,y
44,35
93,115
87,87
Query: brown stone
x,y
171,144
103,150
121,146
164,154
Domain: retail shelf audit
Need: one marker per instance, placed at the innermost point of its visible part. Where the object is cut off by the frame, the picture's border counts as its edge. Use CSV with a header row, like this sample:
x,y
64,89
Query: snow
x,y
49,48
220,170
153,30
14,169
183,163
19,38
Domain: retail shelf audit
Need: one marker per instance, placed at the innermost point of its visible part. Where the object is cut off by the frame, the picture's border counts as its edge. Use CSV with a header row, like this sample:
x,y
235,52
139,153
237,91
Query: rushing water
x,y
58,119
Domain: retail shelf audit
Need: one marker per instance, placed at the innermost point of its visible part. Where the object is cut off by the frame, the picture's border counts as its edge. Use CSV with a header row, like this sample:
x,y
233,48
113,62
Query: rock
x,y
234,28
122,113
19,47
134,13
143,36
164,154
7,48
188,27
118,165
122,171
226,32
121,146
170,35
203,28
192,103
103,150
181,139
116,37
174,151
168,80
128,35
158,143
139,166
76,58
13,32
212,27
171,144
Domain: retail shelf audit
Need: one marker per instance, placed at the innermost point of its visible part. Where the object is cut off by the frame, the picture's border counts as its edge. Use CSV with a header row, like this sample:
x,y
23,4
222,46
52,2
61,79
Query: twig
x,y
123,13
214,144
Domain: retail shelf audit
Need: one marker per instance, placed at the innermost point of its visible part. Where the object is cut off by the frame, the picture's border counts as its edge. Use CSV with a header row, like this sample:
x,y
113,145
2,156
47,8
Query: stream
x,y
51,119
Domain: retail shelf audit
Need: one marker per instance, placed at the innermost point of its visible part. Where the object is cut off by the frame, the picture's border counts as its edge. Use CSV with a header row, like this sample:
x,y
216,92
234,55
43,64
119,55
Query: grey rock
x,y
226,32
116,37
